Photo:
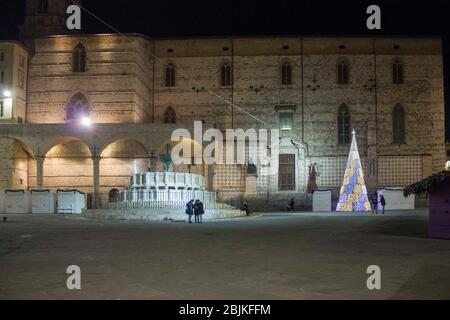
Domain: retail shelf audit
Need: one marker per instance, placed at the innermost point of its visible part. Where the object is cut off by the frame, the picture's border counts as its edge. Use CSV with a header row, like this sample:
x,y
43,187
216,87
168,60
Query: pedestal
x,y
250,185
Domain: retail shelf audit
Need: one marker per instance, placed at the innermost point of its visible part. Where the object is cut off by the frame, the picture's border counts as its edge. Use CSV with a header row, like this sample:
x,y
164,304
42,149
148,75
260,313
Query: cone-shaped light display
x,y
353,196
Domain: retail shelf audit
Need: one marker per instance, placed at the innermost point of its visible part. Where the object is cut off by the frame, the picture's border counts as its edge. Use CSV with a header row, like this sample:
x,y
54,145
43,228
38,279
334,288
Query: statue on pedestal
x,y
166,159
312,182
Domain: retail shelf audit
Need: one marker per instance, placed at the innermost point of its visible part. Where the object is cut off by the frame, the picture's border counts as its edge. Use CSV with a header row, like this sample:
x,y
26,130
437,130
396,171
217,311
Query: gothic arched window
x,y
343,124
225,74
398,125
77,107
170,116
343,72
42,6
170,75
79,58
397,72
286,73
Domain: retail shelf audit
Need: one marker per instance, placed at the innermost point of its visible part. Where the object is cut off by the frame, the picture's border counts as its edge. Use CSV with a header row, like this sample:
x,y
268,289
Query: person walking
x,y
190,209
383,202
374,201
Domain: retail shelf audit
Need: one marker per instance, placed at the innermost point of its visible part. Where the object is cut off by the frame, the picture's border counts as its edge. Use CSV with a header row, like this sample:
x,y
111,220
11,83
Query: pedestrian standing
x,y
383,202
197,211
190,209
201,211
374,201
291,205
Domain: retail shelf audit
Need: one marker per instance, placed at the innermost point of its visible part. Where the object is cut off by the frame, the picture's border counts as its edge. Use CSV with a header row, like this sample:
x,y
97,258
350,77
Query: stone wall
x,y
117,81
13,165
119,161
125,85
159,214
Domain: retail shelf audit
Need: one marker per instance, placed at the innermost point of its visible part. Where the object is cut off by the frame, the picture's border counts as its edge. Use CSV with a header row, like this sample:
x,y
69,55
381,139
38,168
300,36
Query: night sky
x,y
176,18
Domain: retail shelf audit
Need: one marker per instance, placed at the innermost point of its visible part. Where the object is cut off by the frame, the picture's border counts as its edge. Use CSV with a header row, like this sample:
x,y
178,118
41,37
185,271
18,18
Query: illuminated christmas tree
x,y
353,195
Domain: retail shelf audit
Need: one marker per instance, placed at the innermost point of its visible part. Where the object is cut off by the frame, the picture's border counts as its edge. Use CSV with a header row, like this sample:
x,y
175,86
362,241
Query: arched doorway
x,y
113,195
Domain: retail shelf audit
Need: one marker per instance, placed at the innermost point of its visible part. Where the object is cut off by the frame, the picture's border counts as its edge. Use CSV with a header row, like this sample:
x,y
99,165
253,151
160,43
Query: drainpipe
x,y
232,84
303,91
153,82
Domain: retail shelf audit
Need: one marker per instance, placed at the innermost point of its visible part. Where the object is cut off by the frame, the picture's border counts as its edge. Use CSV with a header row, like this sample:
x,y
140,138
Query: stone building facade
x,y
137,90
13,81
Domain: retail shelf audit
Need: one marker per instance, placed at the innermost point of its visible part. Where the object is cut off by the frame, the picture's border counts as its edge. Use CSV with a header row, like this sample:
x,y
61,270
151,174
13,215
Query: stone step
x,y
158,214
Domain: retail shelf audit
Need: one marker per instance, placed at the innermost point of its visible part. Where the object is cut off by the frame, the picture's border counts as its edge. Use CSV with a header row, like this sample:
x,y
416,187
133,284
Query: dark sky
x,y
257,17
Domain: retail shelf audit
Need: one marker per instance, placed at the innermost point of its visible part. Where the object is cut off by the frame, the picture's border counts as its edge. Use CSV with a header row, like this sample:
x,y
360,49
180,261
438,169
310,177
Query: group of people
x,y
196,209
373,198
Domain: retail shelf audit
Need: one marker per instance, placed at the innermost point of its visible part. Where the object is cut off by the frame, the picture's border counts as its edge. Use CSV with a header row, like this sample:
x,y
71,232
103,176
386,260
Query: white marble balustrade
x,y
164,198
167,180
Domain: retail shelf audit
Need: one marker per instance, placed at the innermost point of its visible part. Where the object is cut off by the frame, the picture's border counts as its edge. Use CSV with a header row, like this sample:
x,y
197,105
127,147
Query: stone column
x,y
250,180
210,177
96,195
153,162
40,172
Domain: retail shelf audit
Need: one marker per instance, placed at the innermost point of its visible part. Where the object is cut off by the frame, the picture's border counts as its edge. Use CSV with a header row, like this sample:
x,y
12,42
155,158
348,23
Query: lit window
x,y
286,120
78,107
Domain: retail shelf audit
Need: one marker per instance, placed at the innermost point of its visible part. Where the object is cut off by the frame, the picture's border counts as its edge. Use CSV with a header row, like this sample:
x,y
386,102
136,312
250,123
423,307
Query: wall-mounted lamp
x,y
85,121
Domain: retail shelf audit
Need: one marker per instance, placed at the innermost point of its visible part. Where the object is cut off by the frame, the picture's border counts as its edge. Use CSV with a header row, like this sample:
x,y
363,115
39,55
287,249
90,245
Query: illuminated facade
x,y
316,90
13,81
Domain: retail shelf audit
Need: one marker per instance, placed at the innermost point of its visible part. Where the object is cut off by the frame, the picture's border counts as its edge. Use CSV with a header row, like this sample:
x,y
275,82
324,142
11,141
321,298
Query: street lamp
x,y
85,121
7,93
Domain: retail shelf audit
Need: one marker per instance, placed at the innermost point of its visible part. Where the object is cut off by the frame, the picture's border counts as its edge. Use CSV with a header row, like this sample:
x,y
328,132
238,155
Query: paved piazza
x,y
265,257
